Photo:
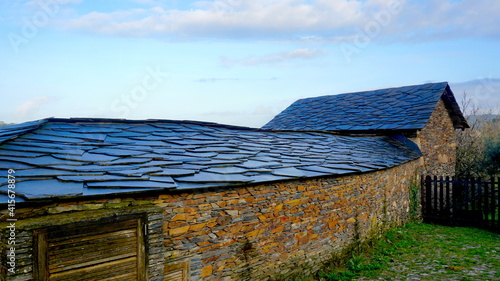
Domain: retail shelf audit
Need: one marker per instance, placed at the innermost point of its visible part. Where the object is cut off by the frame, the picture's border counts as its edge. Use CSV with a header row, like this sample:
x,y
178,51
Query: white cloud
x,y
30,107
225,18
275,58
299,19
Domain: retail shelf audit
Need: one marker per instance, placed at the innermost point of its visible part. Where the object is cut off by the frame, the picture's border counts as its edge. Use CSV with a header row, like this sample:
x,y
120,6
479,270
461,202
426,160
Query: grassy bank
x,y
424,252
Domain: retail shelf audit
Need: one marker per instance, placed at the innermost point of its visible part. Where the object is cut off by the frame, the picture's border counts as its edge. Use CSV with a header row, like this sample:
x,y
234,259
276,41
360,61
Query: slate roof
x,y
403,108
84,157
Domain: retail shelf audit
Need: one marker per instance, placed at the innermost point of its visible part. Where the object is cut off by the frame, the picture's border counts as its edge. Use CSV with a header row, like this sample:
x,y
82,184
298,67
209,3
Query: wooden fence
x,y
472,202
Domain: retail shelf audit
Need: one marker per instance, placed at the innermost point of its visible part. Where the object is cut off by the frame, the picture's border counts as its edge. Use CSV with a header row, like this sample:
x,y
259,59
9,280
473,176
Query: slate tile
x,y
312,157
251,164
5,138
184,129
113,190
46,172
136,147
201,154
173,172
117,152
131,184
40,161
206,177
148,142
79,147
166,126
185,146
5,165
118,140
190,166
14,153
126,161
87,157
193,142
154,156
162,179
342,166
219,149
52,138
318,169
217,162
48,188
182,158
169,151
136,172
227,170
11,133
289,172
204,137
159,163
90,168
79,135
294,160
268,178
192,185
248,146
55,149
58,126
100,177
167,134
264,158
142,129
95,129
126,134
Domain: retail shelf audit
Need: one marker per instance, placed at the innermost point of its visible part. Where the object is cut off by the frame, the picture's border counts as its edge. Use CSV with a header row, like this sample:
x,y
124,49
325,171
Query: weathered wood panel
x,y
110,249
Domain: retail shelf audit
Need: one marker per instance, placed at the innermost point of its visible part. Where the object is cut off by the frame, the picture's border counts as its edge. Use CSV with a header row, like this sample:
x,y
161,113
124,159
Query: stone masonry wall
x,y
438,144
260,232
269,231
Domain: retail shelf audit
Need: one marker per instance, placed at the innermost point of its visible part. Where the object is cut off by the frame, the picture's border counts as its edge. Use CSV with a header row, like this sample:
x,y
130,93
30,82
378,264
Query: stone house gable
x,y
427,114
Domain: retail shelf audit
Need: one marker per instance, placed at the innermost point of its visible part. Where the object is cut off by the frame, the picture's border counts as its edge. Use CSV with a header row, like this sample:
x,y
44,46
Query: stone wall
x,y
259,232
438,143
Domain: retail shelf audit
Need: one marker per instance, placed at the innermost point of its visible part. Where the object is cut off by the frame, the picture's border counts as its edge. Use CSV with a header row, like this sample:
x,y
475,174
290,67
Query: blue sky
x,y
235,61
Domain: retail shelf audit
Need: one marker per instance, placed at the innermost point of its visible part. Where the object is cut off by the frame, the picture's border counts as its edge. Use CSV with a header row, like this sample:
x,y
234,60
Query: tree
x,y
3,124
491,137
478,148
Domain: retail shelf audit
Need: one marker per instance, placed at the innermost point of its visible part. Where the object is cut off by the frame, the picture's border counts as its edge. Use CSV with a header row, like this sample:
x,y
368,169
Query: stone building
x,y
114,199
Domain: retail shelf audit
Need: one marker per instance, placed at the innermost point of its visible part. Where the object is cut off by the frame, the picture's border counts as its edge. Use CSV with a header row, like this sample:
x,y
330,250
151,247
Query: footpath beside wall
x,y
260,232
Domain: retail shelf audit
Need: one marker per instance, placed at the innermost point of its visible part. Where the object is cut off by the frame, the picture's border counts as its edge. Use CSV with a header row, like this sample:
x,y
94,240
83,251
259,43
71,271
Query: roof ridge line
x,y
135,121
373,90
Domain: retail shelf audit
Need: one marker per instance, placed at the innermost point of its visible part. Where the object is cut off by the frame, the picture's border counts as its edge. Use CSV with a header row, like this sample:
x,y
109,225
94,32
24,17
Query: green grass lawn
x,y
424,252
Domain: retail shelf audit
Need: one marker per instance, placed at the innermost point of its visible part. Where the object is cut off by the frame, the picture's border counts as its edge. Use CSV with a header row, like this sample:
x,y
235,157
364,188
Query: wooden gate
x,y
470,202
